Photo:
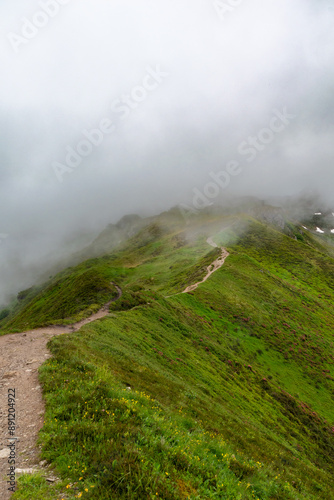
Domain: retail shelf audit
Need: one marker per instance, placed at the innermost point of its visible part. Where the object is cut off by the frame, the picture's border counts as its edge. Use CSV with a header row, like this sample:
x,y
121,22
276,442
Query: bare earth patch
x,y
21,356
211,268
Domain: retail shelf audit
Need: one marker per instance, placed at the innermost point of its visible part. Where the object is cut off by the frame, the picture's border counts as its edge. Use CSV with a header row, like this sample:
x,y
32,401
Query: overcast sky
x,y
182,90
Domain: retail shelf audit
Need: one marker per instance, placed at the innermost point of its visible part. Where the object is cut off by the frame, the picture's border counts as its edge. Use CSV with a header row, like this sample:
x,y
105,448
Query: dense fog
x,y
108,108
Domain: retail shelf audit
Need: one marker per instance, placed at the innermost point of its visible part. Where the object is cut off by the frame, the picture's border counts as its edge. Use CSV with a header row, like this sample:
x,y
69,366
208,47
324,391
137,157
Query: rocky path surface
x,y
212,267
21,356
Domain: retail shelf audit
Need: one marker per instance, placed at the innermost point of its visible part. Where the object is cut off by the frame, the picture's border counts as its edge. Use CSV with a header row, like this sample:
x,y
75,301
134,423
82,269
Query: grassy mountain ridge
x,y
224,392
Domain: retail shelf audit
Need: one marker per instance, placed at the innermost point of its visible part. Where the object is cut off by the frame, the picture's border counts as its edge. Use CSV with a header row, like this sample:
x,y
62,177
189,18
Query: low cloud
x,y
226,77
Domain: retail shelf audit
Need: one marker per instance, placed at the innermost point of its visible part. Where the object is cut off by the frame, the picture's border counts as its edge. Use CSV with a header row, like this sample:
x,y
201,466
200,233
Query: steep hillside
x,y
223,392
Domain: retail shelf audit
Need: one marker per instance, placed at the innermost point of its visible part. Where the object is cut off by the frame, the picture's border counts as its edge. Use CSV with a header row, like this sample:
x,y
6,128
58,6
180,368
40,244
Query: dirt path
x,y
21,356
212,267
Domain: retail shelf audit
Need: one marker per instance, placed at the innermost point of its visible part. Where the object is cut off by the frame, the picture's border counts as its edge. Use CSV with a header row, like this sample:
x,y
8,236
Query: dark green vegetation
x,y
225,392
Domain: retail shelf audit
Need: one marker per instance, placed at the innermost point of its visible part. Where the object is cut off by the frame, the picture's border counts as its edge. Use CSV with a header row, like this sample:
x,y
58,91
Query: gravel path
x,y
21,356
212,267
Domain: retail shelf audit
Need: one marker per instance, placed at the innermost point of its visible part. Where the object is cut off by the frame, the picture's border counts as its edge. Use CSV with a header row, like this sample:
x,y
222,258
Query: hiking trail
x,y
21,356
214,266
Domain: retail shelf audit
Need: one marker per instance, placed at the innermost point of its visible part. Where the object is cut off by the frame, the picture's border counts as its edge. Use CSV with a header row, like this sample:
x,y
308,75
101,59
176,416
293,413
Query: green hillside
x,y
225,392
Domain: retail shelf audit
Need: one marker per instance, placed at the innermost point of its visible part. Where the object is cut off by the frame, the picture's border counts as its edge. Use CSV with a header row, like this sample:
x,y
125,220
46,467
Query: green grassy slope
x,y
63,301
225,392
80,291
